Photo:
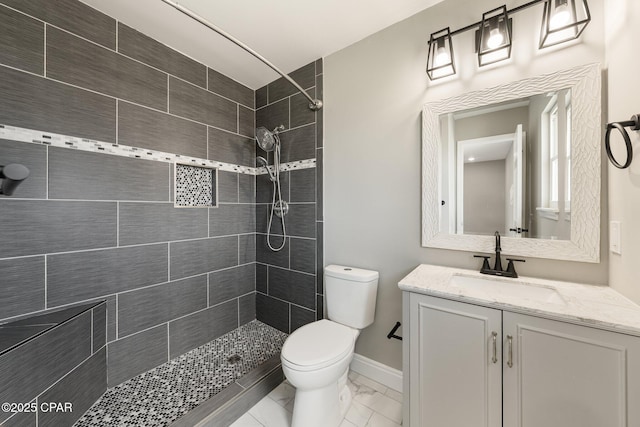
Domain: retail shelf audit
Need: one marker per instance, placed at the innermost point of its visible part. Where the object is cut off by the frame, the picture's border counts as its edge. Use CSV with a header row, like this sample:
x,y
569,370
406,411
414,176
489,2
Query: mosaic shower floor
x,y
162,395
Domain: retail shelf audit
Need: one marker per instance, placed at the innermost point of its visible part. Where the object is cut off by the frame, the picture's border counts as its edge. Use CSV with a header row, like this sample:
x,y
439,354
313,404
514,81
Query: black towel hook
x,y
634,124
12,175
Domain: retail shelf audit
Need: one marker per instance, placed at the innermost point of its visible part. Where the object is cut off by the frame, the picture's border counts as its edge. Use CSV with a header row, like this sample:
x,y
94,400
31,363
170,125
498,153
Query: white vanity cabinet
x,y
468,365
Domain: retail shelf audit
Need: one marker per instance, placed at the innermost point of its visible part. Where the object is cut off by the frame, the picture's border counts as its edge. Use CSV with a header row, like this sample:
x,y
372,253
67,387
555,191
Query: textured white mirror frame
x,y
584,245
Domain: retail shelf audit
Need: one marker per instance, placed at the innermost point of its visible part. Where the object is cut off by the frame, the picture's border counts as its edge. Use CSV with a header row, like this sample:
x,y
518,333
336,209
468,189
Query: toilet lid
x,y
318,344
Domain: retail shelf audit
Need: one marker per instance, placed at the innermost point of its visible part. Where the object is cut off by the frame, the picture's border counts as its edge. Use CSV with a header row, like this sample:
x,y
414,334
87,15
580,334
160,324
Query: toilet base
x,y
344,394
323,407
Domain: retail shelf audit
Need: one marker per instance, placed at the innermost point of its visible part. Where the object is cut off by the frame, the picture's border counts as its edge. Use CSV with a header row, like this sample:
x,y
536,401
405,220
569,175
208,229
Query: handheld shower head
x,y
262,162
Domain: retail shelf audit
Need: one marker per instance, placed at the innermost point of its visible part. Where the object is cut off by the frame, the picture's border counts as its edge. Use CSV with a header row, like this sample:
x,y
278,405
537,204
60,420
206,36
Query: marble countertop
x,y
596,306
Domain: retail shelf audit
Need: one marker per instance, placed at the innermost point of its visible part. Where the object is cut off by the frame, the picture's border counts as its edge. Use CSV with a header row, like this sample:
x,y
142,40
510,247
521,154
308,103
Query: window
x,y
552,202
567,172
555,153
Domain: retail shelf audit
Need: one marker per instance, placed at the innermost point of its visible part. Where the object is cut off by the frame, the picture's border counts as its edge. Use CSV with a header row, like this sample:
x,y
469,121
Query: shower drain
x,y
234,359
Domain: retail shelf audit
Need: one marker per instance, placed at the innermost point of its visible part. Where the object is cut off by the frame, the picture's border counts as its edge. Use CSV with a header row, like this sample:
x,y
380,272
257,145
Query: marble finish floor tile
x,y
283,395
378,420
358,414
246,420
270,414
373,405
380,403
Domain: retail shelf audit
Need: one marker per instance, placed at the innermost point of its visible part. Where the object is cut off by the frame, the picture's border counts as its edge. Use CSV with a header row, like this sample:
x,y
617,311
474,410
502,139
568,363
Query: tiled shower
x,y
88,226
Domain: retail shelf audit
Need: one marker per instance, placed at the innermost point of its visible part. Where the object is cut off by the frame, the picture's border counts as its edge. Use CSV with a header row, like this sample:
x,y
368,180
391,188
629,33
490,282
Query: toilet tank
x,y
351,295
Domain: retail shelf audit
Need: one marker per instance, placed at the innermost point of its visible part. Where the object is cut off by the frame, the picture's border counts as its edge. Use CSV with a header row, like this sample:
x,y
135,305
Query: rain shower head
x,y
267,139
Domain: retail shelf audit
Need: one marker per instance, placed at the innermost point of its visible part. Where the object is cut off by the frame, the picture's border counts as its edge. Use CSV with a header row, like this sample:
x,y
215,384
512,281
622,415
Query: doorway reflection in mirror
x,y
506,167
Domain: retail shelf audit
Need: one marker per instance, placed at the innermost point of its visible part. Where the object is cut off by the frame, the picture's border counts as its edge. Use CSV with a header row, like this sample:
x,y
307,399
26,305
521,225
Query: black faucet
x,y
498,264
497,268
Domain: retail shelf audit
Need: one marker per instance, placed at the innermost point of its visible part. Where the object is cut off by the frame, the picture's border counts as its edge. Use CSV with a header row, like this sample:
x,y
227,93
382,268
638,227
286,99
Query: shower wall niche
x,y
195,186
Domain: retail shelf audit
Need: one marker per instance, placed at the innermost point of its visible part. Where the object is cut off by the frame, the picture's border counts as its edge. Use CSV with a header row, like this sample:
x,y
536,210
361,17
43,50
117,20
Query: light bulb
x,y
561,16
442,57
496,38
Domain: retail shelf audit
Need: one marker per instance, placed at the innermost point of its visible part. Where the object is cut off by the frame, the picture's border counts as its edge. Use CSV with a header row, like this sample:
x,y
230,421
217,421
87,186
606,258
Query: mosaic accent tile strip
x,y
83,144
15,133
284,167
195,186
164,394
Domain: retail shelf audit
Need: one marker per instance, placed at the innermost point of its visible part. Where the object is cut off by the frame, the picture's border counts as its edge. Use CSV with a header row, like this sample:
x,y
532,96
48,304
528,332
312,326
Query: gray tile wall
x,y
134,354
64,364
20,41
82,387
126,244
88,226
289,282
192,331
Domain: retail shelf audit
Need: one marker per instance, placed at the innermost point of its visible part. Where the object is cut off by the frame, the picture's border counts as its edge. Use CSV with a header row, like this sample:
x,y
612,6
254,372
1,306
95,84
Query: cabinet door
x,y
566,375
455,379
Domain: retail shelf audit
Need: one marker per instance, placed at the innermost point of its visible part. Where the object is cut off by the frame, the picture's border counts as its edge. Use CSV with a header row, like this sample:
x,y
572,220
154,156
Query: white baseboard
x,y
378,372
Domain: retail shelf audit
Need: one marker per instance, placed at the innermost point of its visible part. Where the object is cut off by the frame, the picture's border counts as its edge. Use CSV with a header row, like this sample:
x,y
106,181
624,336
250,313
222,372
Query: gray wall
x,y
491,124
624,185
374,92
289,283
88,226
484,197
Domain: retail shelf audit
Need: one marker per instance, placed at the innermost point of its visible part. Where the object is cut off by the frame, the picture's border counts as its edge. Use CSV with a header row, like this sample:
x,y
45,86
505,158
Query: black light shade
x,y
563,20
440,62
493,38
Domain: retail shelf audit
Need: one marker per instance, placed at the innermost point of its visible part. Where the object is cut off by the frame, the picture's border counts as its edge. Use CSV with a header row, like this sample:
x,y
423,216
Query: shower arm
x,y
314,104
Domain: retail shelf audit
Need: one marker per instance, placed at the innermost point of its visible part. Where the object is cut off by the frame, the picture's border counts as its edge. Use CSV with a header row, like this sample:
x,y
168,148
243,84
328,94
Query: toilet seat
x,y
317,345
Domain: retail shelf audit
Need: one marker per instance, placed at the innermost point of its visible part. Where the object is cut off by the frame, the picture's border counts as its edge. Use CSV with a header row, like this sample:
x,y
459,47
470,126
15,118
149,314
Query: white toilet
x,y
316,357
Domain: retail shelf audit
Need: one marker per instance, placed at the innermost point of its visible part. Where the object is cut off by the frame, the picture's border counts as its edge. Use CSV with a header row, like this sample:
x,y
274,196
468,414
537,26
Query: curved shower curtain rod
x,y
314,104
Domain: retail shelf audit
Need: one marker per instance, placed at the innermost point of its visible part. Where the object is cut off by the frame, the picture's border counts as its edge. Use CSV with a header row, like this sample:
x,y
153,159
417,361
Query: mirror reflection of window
x,y
567,181
555,167
552,202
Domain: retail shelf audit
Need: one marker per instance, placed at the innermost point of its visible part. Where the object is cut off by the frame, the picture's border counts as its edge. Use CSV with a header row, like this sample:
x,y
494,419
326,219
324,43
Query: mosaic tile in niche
x,y
195,186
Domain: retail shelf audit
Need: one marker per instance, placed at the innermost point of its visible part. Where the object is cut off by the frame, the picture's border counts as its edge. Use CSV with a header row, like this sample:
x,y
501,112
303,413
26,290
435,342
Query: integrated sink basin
x,y
506,288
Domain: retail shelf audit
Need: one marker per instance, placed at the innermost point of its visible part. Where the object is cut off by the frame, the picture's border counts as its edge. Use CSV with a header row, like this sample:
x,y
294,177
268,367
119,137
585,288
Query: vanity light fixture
x,y
563,20
493,39
440,61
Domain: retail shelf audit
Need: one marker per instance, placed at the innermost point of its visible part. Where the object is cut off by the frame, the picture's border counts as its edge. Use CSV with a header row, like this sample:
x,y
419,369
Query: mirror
x,y
523,159
506,167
